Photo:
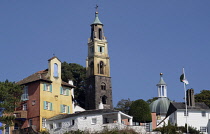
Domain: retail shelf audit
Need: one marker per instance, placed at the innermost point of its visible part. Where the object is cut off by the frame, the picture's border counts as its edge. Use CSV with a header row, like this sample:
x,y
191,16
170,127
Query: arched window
x,y
55,70
91,68
101,67
92,31
103,86
104,99
100,34
163,93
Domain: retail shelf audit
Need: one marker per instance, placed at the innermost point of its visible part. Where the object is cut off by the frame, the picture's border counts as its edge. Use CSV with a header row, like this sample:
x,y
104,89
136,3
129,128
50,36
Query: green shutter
x,y
61,90
61,108
44,88
67,92
68,110
51,106
51,88
45,103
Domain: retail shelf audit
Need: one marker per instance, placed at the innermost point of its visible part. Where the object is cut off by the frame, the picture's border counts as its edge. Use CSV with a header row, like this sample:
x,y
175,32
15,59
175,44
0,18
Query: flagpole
x,y
185,81
186,105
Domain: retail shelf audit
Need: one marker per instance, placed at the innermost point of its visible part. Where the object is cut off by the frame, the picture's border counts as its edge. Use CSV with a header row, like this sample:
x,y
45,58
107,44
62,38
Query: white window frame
x,y
64,91
65,109
51,126
48,87
72,122
203,113
25,107
48,106
203,129
186,114
101,49
44,122
93,121
30,122
25,94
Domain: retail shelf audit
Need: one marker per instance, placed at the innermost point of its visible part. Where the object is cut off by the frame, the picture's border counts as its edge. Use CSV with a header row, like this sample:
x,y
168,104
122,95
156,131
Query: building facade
x,y
91,121
98,83
197,115
45,95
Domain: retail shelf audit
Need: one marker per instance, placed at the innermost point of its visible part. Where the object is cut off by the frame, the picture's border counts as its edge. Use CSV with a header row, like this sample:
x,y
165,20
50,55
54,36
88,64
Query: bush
x,y
44,132
170,129
105,131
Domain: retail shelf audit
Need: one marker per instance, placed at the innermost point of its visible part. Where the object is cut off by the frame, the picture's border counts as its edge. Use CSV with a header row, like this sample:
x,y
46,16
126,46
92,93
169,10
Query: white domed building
x,y
160,106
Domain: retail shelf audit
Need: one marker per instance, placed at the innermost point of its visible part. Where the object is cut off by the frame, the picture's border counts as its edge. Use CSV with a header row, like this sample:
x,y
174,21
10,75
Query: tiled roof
x,y
40,76
174,106
198,105
88,112
67,84
53,58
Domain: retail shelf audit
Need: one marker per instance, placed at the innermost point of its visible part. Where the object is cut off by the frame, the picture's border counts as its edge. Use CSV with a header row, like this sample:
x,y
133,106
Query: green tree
x,y
124,105
140,111
170,129
149,101
10,96
76,73
203,96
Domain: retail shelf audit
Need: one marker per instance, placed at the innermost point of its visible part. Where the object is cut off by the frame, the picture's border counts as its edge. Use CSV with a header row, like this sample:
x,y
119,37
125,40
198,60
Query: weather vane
x,y
96,8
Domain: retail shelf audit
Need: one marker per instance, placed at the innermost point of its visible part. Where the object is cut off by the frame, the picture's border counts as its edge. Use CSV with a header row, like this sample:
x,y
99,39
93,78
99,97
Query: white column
x,y
158,91
119,118
131,121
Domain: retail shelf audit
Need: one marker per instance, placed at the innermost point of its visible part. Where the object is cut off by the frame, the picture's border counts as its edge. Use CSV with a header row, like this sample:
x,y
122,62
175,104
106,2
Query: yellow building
x,y
45,95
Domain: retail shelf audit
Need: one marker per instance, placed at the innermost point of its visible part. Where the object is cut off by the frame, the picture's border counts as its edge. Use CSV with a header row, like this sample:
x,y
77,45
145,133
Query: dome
x,y
160,106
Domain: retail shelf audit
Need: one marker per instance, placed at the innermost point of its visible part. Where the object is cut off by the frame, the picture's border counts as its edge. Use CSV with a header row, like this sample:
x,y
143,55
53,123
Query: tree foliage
x,y
124,105
76,73
203,96
149,101
140,111
10,95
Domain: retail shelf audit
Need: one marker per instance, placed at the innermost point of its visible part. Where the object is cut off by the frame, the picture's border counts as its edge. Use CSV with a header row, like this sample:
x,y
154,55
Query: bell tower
x,y
162,87
98,83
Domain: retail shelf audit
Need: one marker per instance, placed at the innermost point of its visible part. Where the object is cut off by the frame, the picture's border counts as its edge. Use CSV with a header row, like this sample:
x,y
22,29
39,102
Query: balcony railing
x,y
20,114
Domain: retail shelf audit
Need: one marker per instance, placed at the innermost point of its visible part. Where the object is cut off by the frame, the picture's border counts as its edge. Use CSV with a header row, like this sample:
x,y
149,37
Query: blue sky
x,y
145,38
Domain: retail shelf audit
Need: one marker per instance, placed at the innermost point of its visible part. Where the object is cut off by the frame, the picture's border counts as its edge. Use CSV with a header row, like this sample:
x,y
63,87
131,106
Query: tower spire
x,y
162,87
97,21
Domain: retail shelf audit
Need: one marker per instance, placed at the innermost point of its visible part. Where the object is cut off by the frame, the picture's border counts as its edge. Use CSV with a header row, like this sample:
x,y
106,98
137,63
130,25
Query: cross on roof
x,y
96,8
